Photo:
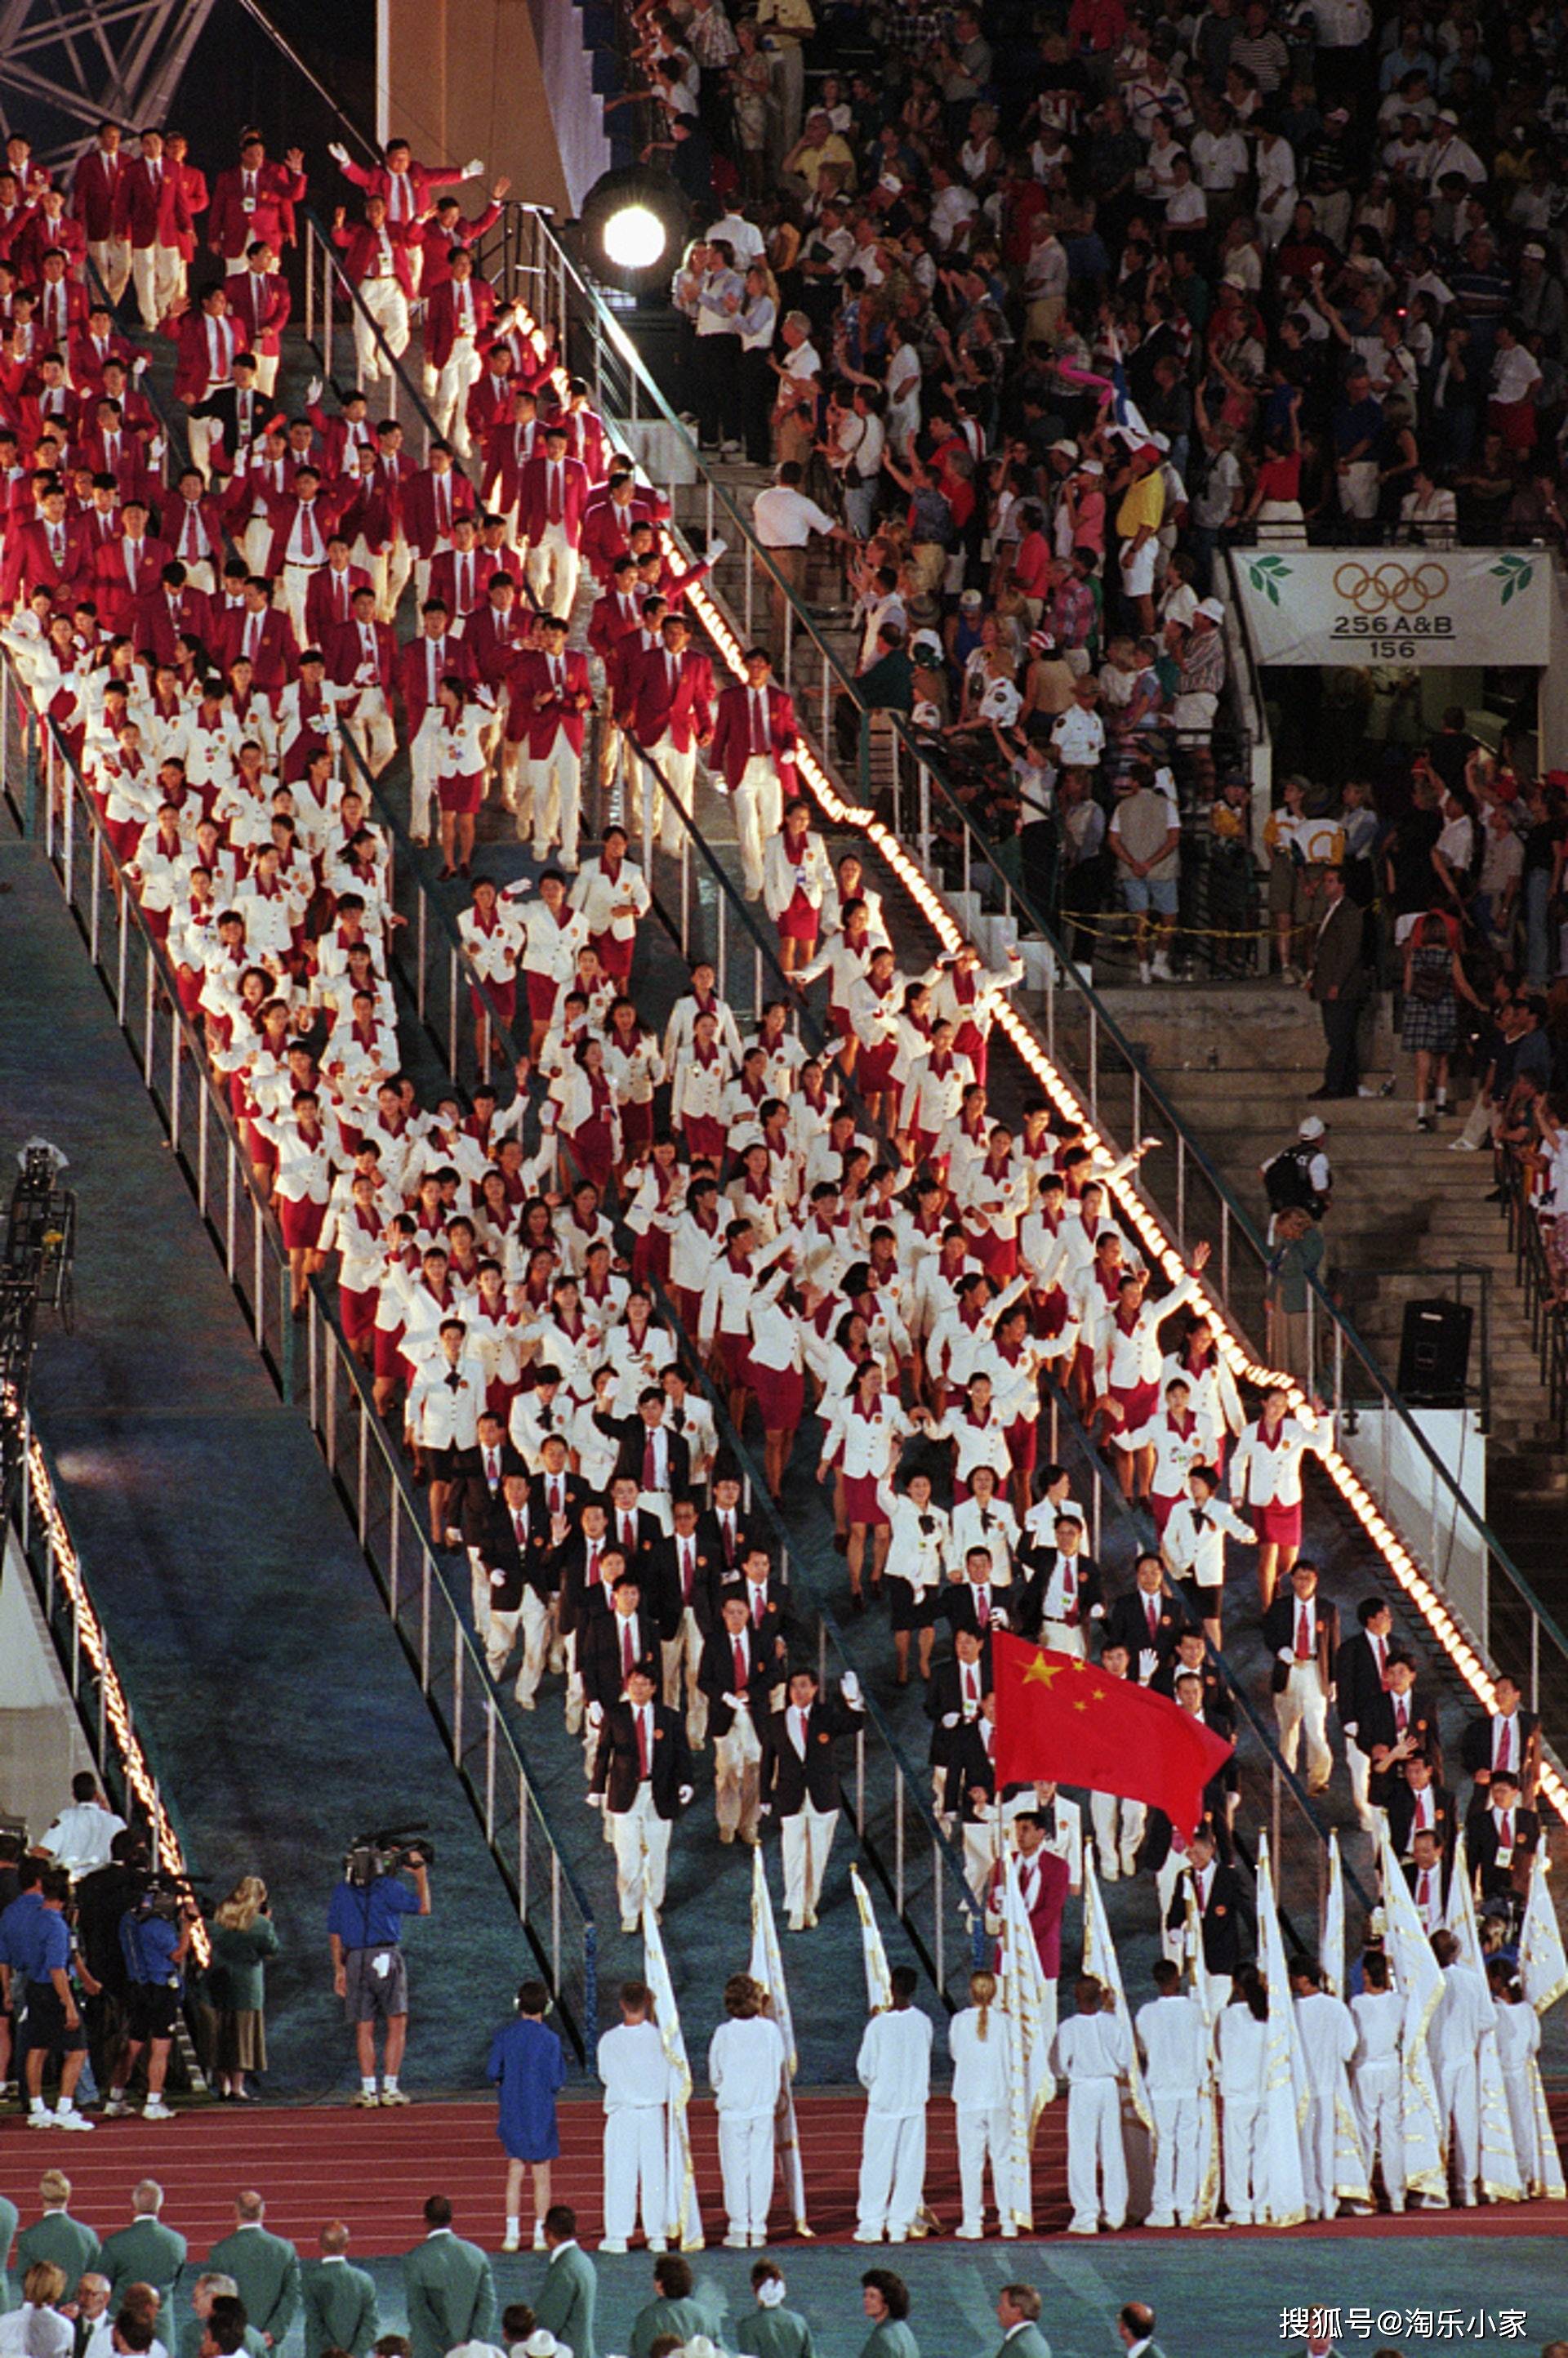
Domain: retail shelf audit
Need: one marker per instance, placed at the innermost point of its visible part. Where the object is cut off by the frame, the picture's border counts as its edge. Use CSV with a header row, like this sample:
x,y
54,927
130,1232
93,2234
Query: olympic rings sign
x,y
1386,587
1405,605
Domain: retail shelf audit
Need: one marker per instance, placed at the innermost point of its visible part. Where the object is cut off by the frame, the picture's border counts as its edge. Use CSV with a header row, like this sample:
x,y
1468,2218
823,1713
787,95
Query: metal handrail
x,y
1532,1271
329,1364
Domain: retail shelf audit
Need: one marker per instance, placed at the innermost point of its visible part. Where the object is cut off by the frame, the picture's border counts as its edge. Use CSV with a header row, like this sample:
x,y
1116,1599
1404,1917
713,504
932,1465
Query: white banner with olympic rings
x,y
1410,605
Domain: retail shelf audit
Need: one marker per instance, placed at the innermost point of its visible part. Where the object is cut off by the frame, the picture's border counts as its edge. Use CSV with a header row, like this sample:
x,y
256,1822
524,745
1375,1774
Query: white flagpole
x,y
1101,1961
767,1971
1333,1944
685,2219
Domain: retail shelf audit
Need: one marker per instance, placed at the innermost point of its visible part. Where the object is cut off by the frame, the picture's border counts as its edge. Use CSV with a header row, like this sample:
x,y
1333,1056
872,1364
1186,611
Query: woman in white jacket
x,y
797,878
977,2038
777,1358
865,1424
453,736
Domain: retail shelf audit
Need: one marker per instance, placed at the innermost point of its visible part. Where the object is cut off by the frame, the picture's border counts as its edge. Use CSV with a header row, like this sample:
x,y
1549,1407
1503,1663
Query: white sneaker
x,y
616,2251
657,2243
115,2108
72,2119
539,2243
731,2243
868,2234
1462,1145
967,2235
1145,971
155,2109
511,2243
40,2119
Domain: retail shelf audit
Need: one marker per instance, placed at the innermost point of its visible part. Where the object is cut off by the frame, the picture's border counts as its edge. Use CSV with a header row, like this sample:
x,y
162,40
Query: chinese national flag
x,y
1059,1720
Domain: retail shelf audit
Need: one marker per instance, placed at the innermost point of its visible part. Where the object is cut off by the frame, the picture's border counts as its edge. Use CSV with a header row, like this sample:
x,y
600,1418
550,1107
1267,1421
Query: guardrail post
x,y
30,777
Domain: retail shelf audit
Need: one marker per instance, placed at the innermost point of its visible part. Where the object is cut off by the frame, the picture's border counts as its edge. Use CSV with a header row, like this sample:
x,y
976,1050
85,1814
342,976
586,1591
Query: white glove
x,y
950,1719
1286,1653
313,392
1148,1663
338,152
733,1701
474,167
498,1580
594,1800
139,363
716,549
596,1714
764,1809
685,1793
1000,1618
850,1688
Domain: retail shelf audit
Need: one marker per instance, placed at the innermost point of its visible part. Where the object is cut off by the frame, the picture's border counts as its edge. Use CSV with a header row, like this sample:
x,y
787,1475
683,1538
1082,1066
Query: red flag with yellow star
x,y
1059,1720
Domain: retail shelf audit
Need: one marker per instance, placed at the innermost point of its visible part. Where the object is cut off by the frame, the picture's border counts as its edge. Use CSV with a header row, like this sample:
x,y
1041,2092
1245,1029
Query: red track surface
x,y
374,2170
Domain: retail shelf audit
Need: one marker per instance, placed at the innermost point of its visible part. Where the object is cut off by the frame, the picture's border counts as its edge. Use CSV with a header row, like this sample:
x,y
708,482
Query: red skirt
x,y
615,955
705,1136
800,921
156,924
124,834
500,996
301,1223
735,1352
874,1073
780,1396
998,1256
1024,1444
592,1149
264,1154
461,797
190,988
543,992
389,1359
636,1128
651,1257
861,1504
357,1312
1277,1526
1050,1313
1161,1508
688,1306
971,1041
1137,1402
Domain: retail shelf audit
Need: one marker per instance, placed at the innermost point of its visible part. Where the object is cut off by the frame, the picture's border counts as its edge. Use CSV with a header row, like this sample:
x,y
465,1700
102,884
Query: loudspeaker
x,y
1434,1352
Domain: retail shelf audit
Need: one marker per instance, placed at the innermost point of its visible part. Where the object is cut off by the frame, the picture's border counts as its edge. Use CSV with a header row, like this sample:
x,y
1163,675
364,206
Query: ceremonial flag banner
x,y
1061,1720
1501,2178
1333,1949
680,2174
879,1981
767,1971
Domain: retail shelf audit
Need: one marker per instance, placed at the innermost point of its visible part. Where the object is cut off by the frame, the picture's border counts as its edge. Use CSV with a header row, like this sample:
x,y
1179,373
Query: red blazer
x,y
731,747
510,453
441,315
530,674
377,182
88,360
326,605
436,245
1045,1916
487,405
494,641
608,623
194,202
605,527
38,238
261,301
31,564
205,538
419,526
92,189
282,514
368,514
46,312
189,334
482,565
157,626
343,649
586,440
532,499
152,212
413,673
117,597
276,657
230,229
334,453
357,242
685,709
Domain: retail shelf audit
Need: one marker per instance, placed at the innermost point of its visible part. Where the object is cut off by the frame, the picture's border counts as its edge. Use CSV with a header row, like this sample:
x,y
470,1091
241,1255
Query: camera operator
x,y
364,1923
154,1935
48,2005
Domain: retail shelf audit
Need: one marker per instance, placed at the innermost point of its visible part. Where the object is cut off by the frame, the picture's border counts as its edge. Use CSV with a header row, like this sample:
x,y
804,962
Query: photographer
x,y
368,1969
155,1936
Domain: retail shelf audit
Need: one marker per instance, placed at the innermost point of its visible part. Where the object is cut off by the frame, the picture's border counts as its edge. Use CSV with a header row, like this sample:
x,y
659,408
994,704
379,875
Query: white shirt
x,y
894,2065
786,519
80,1835
631,2063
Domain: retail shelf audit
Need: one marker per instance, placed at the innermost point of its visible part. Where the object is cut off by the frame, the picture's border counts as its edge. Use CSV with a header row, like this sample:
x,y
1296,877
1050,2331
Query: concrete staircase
x,y
1239,1063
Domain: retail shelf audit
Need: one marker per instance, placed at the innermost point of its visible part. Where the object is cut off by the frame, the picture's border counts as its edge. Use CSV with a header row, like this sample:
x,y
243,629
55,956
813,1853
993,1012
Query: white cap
x,y
1313,1127
1212,608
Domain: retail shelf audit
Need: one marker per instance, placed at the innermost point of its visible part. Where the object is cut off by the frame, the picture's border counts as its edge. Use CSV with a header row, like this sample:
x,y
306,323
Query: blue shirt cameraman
x,y
364,1924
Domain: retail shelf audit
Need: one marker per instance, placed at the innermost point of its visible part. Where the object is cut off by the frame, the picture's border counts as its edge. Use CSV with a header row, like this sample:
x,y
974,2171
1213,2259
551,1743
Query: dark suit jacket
x,y
615,1773
520,1567
633,1441
965,1764
601,1655
1126,1624
648,1535
1279,1630
716,1677
1399,1804
1035,1565
1475,1751
1222,1921
957,1607
670,1594
788,1781
745,1533
943,1699
1512,1881
1337,962
1357,1684
1378,1727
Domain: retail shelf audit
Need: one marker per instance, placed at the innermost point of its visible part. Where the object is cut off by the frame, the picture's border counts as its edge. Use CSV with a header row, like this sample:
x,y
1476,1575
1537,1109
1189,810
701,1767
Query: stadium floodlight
x,y
632,226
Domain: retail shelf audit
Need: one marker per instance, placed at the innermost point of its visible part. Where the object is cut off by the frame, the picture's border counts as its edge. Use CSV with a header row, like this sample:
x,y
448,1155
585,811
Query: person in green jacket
x,y
340,2300
448,2287
243,1939
771,2330
264,2266
1017,2314
9,2215
671,2310
570,2290
70,2243
885,2298
147,2252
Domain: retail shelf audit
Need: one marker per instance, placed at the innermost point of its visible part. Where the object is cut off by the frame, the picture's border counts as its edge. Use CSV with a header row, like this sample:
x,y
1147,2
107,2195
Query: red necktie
x,y
1382,1665
628,1533
1505,1839
1303,1635
643,1762
650,1464
759,1606
1424,1891
759,724
554,510
556,1496
740,1668
983,1608
729,1545
1505,1747
1153,1612
628,1662
520,1526
1401,1716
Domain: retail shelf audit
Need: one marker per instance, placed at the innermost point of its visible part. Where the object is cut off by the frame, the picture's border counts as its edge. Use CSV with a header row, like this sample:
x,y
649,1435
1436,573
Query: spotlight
x,y
635,238
633,225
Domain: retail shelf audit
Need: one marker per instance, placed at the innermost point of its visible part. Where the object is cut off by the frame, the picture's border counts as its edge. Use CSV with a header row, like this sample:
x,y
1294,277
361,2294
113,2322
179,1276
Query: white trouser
x,y
296,589
396,565
680,768
199,433
1380,2119
532,1617
386,306
1242,2148
555,784
266,373
758,804
683,1653
1175,2156
1064,1638
746,2164
1118,1829
552,571
982,1849
634,2173
1459,2108
158,273
807,1839
371,727
424,770
1301,1708
1173,1939
478,1592
1361,1769
737,1760
111,258
642,1840
1097,2164
982,2136
256,542
574,1684
892,2173
451,394
1317,2156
